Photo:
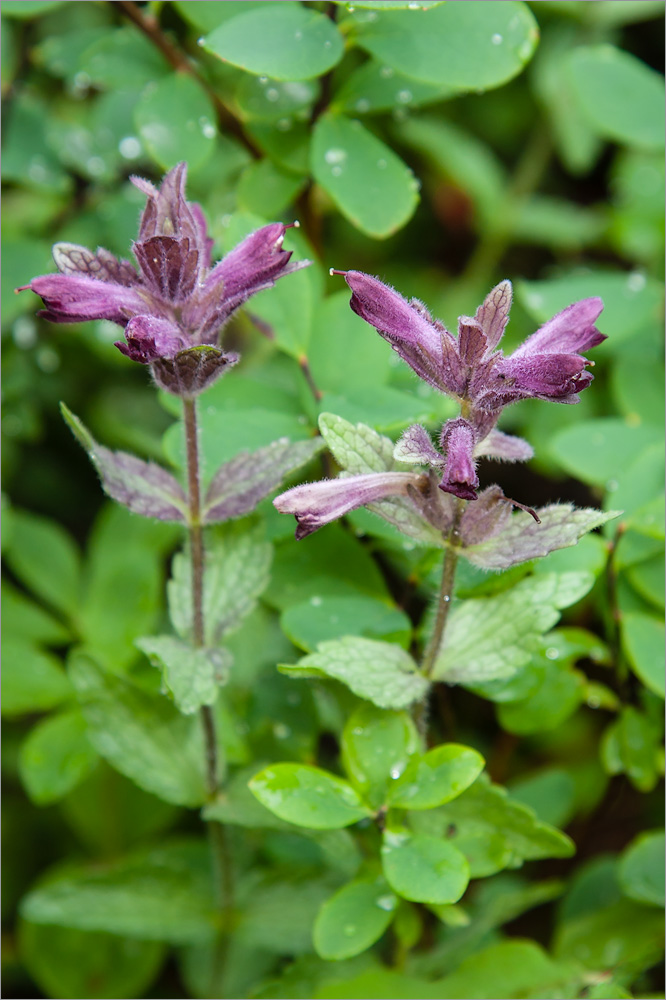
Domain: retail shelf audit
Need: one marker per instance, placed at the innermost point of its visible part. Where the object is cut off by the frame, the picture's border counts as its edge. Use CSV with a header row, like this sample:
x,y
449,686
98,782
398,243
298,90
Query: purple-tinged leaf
x,y
73,259
523,539
485,517
504,448
416,447
241,483
192,370
493,315
143,487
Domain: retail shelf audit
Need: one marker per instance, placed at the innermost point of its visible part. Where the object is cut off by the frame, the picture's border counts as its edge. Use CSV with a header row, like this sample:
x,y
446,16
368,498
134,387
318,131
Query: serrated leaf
x,y
424,869
437,777
239,485
463,45
353,919
378,671
359,449
55,756
236,571
142,735
368,182
143,487
523,539
164,894
308,796
489,638
193,676
285,41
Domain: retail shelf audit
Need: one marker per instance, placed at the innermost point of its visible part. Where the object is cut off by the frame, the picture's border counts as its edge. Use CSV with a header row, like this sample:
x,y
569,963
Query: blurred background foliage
x,y
442,150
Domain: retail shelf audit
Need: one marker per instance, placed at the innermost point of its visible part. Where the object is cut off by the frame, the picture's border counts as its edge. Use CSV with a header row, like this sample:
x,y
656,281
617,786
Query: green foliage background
x,y
442,150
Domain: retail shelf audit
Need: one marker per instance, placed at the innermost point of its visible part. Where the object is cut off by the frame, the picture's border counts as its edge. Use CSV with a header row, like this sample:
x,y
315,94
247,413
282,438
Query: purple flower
x,y
316,504
549,365
175,307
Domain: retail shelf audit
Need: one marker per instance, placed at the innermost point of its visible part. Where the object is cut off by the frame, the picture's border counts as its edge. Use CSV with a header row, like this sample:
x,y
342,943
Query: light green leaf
x,y
551,793
376,748
647,578
510,969
353,919
439,776
28,9
346,354
424,869
164,894
463,45
193,676
23,619
375,87
207,16
237,805
267,189
237,565
32,680
55,757
368,182
379,671
649,519
595,451
493,830
641,869
389,4
489,638
287,42
308,796
65,962
630,745
622,936
44,557
622,98
173,115
265,100
562,525
142,735
631,299
123,57
643,643
308,624
559,692
288,144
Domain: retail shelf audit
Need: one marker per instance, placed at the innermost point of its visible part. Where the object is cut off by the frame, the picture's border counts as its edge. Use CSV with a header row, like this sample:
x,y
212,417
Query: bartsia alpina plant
x,y
470,368
174,308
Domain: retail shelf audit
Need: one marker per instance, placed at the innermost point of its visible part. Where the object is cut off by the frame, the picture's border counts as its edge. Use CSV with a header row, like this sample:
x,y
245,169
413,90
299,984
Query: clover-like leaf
x,y
437,777
308,796
424,869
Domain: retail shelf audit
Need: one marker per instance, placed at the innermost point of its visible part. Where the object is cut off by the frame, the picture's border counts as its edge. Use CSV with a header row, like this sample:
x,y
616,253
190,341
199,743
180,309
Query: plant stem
x,y
445,591
218,840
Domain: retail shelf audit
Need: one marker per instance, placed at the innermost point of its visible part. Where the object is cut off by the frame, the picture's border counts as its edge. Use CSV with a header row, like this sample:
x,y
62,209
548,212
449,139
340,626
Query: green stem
x,y
223,871
445,591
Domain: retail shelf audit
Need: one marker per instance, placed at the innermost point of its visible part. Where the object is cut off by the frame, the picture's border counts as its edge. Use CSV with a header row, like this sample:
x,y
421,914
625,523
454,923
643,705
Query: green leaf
x,y
266,189
173,115
193,676
439,776
370,185
163,894
353,919
308,624
643,643
28,621
237,805
376,87
623,937
32,680
123,57
510,969
236,571
55,757
630,746
550,793
559,692
287,144
379,671
631,300
595,450
262,922
65,962
649,519
462,45
621,97
142,735
261,99
214,12
424,869
27,9
285,42
647,578
45,559
345,355
489,638
308,796
641,869
493,830
143,487
375,749
389,4
562,525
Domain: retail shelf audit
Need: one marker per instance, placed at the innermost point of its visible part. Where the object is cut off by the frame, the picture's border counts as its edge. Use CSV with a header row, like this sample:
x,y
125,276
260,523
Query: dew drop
x,y
446,598
387,902
381,164
358,731
96,166
593,701
207,128
284,124
336,171
612,485
36,170
129,147
201,41
24,332
552,653
386,72
497,39
298,36
636,282
272,94
404,96
335,155
363,104
327,44
349,930
395,772
280,731
315,601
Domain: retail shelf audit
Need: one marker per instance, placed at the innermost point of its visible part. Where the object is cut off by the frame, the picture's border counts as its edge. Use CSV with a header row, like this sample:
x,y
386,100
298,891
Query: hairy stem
x,y
445,591
218,839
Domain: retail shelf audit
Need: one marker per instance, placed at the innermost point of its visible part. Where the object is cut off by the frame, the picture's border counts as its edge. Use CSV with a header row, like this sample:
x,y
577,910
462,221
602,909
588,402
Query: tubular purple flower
x,y
317,504
460,476
175,302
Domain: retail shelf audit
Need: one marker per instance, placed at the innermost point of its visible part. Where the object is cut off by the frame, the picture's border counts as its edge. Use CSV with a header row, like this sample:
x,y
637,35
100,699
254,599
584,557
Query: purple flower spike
x,y
317,504
460,476
175,304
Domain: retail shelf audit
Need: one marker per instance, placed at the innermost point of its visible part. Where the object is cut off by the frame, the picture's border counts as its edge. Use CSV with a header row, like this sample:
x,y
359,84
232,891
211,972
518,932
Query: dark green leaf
x,y
643,642
45,559
32,680
631,746
55,757
641,869
174,115
353,919
308,624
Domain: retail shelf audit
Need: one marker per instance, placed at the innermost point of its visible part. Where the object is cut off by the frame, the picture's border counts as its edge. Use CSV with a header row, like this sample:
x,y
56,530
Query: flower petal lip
x,y
571,331
317,504
459,476
74,298
555,377
393,317
149,338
